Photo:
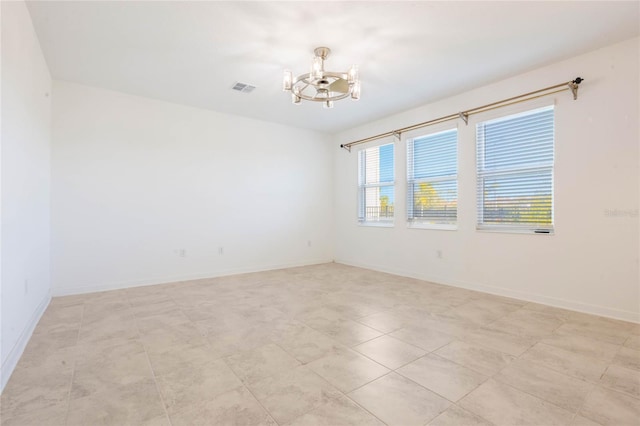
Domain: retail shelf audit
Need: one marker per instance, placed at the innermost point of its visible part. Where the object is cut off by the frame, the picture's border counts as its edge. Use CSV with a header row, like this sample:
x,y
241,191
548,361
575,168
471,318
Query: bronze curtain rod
x,y
464,115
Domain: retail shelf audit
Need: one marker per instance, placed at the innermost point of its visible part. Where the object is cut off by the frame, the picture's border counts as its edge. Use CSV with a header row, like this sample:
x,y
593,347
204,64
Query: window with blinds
x,y
432,179
515,156
376,191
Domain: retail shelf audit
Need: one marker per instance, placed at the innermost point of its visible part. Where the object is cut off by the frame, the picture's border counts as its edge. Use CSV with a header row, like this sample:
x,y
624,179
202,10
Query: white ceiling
x,y
409,53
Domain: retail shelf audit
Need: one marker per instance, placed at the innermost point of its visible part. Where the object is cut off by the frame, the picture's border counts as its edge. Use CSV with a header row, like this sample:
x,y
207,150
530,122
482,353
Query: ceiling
x,y
409,53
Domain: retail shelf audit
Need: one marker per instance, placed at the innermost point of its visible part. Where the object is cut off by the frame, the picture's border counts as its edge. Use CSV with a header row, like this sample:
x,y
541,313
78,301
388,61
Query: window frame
x,y
517,171
362,187
425,224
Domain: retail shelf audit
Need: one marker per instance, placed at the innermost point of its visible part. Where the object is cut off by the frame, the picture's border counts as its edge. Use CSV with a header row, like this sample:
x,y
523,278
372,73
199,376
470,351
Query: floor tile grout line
x,y
73,369
153,373
385,366
563,321
259,403
352,348
487,377
364,408
599,358
533,361
157,386
562,373
371,381
376,329
616,392
579,410
462,365
333,338
224,360
431,351
466,409
305,366
365,341
395,338
433,391
508,334
540,398
622,392
346,394
414,382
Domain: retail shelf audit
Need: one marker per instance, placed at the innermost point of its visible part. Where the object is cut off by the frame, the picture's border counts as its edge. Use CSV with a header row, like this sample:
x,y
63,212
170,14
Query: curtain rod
x,y
464,115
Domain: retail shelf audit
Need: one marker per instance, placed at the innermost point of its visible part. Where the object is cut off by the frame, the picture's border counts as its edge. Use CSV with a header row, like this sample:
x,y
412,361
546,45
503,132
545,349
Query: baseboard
x,y
498,291
602,311
16,351
68,291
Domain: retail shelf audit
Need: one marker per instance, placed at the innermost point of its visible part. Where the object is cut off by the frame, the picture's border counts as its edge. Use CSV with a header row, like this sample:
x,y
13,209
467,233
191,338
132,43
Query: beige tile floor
x,y
321,345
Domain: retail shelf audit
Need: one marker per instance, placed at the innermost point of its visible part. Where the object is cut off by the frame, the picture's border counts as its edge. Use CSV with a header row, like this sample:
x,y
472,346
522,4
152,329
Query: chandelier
x,y
320,85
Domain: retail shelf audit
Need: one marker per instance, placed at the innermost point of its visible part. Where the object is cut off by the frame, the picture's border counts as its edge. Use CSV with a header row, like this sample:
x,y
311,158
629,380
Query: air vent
x,y
243,87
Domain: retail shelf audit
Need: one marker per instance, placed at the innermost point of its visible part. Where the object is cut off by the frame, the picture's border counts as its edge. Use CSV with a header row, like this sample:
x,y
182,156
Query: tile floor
x,y
321,345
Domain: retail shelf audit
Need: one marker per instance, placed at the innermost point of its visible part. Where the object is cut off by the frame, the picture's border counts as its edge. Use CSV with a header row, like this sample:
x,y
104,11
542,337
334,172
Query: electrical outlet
x,y
183,253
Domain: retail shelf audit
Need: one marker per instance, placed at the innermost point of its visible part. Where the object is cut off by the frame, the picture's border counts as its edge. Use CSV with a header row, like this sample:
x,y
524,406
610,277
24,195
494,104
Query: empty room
x,y
320,213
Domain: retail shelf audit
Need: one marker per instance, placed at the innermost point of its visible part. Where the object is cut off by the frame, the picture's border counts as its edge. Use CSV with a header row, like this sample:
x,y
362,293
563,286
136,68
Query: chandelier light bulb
x,y
352,75
287,80
295,95
355,90
317,68
328,104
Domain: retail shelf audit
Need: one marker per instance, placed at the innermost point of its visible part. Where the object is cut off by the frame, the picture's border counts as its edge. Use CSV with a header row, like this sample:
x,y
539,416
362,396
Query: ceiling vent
x,y
243,87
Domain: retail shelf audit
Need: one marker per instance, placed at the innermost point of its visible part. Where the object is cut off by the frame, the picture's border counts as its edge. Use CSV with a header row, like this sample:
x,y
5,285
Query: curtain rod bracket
x,y
465,117
573,85
397,134
347,147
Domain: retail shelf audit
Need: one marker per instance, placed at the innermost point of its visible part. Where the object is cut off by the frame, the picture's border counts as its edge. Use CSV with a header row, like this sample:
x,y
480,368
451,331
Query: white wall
x,y
26,119
591,263
134,180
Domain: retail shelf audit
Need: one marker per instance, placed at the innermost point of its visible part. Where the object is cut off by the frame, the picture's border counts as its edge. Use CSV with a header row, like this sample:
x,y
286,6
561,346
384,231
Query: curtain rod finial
x,y
573,85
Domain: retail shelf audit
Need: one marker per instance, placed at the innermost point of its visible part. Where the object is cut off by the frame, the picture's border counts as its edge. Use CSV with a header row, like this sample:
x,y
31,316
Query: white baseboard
x,y
68,291
16,351
499,291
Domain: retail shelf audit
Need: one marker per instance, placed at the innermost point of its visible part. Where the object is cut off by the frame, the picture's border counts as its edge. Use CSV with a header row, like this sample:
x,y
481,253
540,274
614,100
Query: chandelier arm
x,y
331,98
302,77
305,86
308,79
341,75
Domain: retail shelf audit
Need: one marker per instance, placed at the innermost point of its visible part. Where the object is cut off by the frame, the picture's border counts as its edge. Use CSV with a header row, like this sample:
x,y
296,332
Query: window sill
x,y
515,230
377,224
433,226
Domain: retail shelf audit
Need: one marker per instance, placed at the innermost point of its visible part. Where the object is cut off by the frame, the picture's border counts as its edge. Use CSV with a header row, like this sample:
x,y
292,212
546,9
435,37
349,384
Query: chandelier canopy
x,y
322,86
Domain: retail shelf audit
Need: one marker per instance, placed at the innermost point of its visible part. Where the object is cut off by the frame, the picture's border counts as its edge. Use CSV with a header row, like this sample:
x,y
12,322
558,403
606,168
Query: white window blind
x,y
432,178
515,156
376,184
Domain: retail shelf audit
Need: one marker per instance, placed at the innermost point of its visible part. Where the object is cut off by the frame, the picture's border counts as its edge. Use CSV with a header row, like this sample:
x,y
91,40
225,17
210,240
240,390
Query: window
x,y
376,184
432,179
515,172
